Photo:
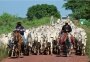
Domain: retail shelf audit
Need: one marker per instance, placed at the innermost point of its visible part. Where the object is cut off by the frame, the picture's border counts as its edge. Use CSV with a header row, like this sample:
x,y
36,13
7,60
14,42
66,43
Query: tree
x,y
80,8
6,18
43,10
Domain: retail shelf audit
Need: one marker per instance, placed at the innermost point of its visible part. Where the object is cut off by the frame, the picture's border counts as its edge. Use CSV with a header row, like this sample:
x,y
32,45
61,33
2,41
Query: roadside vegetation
x,y
86,27
80,10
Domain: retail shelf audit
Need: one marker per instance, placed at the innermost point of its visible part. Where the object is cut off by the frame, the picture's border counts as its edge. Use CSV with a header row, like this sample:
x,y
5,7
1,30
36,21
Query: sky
x,y
20,7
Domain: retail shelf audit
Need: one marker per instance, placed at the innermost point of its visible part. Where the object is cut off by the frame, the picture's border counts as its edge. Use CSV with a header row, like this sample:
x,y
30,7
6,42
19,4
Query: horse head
x,y
17,36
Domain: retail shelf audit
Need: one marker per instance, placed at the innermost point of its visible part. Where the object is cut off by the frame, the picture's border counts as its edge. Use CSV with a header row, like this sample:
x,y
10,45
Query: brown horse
x,y
66,42
63,38
18,41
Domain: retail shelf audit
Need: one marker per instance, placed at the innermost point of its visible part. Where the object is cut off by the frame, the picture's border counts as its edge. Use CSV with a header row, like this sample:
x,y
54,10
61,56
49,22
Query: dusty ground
x,y
48,58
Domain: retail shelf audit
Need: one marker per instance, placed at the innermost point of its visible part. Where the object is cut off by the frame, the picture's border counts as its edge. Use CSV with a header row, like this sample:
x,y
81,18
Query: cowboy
x,y
21,29
66,28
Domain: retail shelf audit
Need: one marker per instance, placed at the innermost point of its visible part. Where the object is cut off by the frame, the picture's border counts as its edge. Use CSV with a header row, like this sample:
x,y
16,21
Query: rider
x,y
66,28
21,29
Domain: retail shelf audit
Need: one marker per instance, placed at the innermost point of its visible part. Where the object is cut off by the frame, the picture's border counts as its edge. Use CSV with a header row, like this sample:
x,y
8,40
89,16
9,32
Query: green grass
x,y
3,53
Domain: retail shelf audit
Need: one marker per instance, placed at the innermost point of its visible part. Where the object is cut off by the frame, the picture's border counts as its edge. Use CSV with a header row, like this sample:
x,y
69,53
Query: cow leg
x,y
41,48
12,52
51,48
83,51
30,50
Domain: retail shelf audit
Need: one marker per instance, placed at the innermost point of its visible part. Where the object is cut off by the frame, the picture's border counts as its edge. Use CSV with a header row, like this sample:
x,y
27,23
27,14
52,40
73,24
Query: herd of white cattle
x,y
50,32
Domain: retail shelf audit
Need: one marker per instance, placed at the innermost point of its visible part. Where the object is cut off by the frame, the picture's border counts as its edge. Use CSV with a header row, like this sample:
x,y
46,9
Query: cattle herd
x,y
45,39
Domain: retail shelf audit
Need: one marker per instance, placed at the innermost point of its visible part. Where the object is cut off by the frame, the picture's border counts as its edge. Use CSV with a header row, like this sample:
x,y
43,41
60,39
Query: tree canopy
x,y
43,10
80,8
6,18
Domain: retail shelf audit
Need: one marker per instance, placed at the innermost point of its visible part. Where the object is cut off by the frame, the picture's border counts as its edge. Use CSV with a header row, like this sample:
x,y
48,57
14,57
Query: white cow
x,y
4,40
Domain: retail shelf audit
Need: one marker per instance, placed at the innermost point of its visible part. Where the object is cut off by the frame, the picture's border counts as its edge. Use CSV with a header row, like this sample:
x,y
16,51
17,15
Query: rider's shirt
x,y
20,29
66,28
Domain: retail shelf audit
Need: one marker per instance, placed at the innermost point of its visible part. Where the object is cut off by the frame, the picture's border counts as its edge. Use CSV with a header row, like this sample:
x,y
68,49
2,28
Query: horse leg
x,y
20,50
21,54
69,51
16,52
59,50
23,48
65,50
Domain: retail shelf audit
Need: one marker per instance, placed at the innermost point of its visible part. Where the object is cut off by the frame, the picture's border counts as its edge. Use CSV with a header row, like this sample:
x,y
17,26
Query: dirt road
x,y
48,58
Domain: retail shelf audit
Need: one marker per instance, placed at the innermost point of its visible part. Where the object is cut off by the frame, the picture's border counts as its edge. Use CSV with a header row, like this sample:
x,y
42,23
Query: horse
x,y
66,41
18,47
76,45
